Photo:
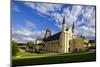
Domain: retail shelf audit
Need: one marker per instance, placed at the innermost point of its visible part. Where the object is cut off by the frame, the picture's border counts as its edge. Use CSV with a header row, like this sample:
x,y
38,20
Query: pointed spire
x,y
63,20
73,26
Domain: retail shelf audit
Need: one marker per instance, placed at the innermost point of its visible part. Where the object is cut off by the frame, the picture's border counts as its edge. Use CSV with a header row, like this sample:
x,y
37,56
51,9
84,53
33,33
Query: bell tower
x,y
73,28
48,33
64,40
63,25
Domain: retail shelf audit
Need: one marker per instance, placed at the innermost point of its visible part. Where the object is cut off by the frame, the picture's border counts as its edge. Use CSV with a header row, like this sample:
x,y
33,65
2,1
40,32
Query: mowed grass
x,y
63,58
28,54
21,55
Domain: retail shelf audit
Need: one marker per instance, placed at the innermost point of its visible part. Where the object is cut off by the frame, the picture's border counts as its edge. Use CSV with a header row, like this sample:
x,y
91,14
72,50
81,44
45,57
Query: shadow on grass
x,y
55,59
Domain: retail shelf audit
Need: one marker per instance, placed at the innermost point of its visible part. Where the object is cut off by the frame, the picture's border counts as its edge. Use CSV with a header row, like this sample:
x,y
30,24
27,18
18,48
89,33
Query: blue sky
x,y
31,19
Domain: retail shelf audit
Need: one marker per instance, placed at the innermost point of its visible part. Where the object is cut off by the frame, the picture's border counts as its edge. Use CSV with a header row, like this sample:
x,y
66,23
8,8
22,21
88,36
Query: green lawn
x,y
21,55
61,58
27,54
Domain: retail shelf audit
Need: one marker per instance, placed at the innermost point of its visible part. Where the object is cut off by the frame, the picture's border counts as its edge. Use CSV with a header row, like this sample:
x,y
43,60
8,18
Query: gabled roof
x,y
53,37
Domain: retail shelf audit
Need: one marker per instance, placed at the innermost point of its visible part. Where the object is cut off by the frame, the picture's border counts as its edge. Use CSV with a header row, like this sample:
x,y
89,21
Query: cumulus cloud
x,y
22,36
43,8
72,13
82,16
25,33
86,26
88,32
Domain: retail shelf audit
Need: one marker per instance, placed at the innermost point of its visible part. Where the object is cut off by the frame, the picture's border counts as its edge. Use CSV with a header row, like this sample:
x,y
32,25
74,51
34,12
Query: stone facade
x,y
64,41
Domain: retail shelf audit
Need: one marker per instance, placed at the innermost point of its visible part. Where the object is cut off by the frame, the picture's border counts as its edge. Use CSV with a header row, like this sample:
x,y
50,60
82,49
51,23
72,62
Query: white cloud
x,y
76,10
30,25
57,17
88,12
52,10
71,13
86,26
25,33
16,8
24,36
86,31
43,8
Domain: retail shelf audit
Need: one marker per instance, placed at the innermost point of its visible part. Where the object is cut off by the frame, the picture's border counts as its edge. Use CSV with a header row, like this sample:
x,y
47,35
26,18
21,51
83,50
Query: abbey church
x,y
62,42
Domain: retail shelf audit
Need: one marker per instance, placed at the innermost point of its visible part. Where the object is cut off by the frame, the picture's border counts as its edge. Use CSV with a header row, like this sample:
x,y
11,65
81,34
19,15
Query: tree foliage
x,y
92,41
30,44
14,48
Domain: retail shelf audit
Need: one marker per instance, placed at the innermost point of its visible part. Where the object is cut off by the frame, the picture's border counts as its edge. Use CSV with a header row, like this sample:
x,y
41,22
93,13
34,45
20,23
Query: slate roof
x,y
53,37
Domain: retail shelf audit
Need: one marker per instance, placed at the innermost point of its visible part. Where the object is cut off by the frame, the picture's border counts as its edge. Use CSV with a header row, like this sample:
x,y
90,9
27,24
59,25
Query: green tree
x,y
14,48
30,44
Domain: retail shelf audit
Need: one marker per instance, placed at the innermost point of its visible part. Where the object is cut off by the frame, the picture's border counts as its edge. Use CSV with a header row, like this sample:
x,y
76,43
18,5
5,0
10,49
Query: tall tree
x,y
30,44
14,48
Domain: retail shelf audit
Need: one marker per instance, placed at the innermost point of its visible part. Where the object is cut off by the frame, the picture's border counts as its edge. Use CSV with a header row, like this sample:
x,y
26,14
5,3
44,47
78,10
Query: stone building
x,y
62,42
